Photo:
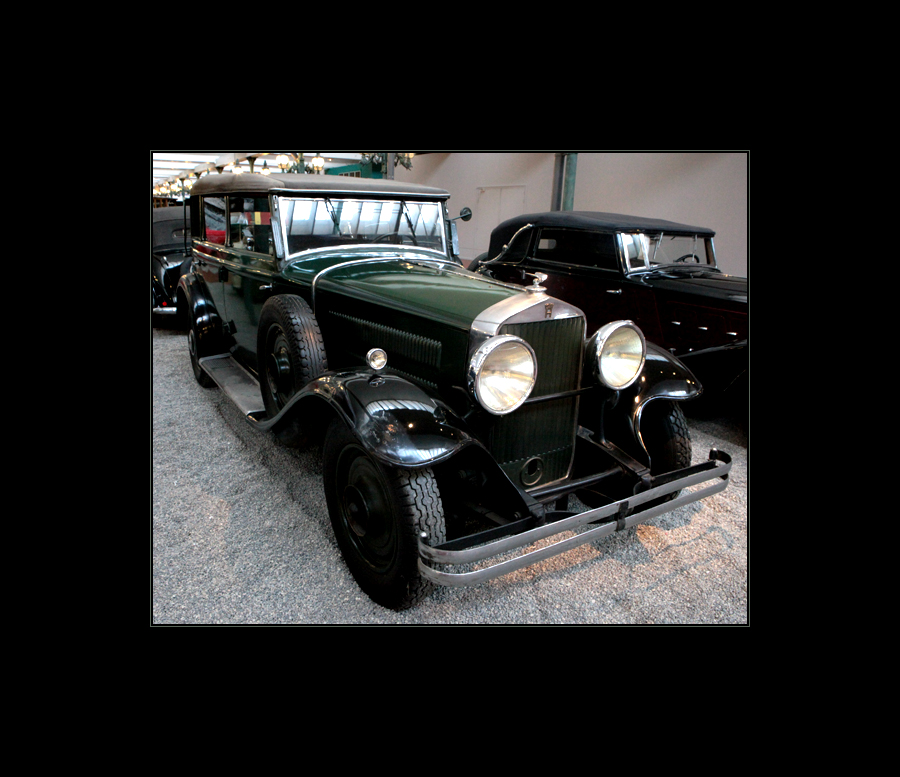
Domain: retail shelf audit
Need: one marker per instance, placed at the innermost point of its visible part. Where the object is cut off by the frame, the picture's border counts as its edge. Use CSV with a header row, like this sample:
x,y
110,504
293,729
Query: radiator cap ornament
x,y
536,287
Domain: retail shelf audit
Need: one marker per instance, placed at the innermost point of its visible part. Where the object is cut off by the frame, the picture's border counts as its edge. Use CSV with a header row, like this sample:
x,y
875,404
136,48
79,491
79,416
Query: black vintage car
x,y
457,412
170,258
659,274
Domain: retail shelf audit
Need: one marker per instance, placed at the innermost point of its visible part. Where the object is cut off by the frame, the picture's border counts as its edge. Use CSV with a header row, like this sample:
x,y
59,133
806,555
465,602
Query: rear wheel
x,y
291,353
194,349
377,514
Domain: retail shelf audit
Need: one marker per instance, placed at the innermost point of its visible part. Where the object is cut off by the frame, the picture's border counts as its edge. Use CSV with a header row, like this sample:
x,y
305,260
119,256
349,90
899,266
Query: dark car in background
x,y
659,274
457,413
170,258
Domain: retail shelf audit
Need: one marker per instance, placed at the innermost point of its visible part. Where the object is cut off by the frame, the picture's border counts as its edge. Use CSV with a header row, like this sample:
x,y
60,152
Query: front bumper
x,y
611,518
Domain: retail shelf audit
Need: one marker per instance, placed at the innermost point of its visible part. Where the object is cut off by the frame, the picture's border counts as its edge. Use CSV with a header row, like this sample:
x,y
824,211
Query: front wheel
x,y
377,514
666,437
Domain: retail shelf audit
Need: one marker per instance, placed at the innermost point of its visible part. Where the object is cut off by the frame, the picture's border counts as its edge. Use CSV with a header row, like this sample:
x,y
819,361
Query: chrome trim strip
x,y
521,308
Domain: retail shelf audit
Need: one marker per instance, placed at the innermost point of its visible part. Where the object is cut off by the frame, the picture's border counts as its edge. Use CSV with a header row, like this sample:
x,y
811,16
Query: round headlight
x,y
618,350
502,373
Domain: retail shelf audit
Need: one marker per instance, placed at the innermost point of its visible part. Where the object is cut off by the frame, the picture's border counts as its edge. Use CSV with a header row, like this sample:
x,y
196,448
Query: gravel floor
x,y
241,535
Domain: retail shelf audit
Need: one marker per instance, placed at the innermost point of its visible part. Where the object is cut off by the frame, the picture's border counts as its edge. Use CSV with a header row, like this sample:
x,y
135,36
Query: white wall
x,y
707,189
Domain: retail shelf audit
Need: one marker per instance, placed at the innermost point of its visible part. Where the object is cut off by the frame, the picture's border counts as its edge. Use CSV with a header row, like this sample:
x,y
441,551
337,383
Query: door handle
x,y
613,291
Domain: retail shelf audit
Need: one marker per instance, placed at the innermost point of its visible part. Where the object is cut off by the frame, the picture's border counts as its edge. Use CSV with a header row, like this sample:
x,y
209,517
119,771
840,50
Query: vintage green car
x,y
457,413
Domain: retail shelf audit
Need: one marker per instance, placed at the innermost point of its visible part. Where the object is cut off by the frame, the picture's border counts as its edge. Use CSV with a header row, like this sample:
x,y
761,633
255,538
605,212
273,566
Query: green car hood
x,y
440,291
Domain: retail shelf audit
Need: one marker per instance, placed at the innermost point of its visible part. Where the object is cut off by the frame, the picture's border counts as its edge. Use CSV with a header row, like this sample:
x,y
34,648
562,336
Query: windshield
x,y
326,222
644,252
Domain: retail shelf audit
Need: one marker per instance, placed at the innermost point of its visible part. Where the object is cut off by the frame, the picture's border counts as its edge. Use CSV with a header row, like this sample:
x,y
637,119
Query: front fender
x,y
394,420
617,418
664,377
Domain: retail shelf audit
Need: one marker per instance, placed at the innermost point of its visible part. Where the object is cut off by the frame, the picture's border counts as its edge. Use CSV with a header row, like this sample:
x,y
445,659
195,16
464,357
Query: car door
x,y
208,249
249,270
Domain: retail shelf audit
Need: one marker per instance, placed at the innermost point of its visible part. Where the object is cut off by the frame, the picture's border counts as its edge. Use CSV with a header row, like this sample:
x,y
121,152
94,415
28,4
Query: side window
x,y
585,249
214,219
251,224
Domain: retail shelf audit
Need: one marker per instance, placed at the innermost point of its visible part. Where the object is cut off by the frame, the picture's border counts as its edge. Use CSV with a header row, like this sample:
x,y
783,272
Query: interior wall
x,y
707,189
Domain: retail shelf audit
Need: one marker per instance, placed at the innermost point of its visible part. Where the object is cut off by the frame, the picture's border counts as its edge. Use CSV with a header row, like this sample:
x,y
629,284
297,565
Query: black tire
x,y
667,438
666,435
377,514
194,349
291,353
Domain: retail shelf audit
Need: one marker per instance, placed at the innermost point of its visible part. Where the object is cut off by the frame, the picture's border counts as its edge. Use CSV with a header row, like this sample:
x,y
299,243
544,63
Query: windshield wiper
x,y
412,231
332,211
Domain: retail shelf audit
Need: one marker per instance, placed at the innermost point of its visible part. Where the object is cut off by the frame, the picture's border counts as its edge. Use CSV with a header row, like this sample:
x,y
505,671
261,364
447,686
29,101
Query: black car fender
x,y
201,314
664,377
617,418
397,422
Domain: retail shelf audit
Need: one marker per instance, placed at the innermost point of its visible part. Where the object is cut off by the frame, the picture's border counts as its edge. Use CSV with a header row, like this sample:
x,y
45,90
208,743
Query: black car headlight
x,y
616,353
502,373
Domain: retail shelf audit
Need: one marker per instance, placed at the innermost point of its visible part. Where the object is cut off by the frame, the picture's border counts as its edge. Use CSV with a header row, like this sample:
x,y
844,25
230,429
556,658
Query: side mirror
x,y
465,214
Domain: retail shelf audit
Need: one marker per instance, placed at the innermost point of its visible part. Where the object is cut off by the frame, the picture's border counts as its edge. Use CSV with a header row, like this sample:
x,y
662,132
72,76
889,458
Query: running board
x,y
238,384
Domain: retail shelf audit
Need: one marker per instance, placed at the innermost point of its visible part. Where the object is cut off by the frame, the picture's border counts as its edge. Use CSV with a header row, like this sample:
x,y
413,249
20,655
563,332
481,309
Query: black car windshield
x,y
327,222
647,252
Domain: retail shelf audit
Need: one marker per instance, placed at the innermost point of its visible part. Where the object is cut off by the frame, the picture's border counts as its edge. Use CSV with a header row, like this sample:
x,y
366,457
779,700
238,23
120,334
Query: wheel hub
x,y
367,513
278,366
356,510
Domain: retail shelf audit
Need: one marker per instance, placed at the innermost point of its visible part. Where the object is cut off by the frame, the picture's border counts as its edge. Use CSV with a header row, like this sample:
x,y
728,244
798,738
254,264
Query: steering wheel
x,y
395,237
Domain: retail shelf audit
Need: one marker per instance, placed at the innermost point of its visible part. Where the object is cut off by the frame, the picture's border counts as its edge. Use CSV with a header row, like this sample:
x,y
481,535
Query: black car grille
x,y
543,430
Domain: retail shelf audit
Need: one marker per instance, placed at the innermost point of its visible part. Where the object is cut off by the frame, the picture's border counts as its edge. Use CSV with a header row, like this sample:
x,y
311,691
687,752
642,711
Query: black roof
x,y
313,185
606,222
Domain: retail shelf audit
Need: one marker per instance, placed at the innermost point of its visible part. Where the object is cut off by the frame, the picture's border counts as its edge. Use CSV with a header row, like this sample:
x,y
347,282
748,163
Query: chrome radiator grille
x,y
543,430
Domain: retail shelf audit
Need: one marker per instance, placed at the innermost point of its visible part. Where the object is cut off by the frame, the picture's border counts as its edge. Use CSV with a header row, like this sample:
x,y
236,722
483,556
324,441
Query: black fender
x,y
664,377
394,420
200,313
617,418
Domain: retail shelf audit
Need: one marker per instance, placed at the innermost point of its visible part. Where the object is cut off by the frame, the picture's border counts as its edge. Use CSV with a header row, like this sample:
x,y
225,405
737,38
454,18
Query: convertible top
x,y
581,219
314,185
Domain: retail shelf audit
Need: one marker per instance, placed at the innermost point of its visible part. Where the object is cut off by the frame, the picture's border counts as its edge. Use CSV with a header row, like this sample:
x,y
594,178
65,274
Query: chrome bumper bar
x,y
616,516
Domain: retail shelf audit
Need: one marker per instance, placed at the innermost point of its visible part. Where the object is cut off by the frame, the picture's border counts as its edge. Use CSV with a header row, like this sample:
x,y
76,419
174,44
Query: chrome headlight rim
x,y
476,373
608,337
